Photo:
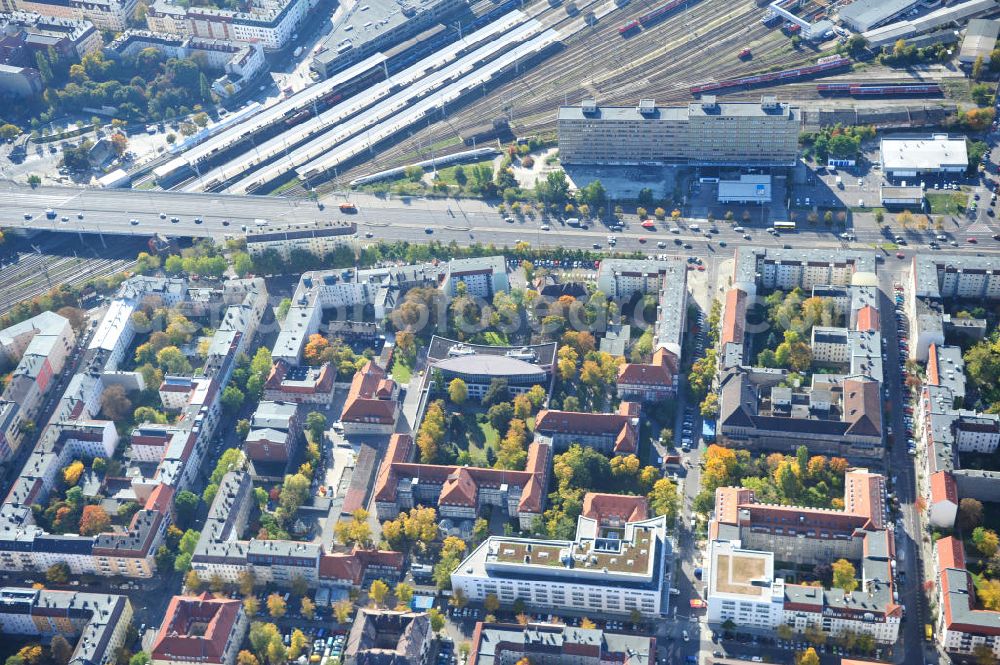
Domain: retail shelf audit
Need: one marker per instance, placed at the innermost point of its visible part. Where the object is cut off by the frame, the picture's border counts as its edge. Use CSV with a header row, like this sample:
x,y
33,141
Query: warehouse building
x,y
706,132
907,157
862,15
980,40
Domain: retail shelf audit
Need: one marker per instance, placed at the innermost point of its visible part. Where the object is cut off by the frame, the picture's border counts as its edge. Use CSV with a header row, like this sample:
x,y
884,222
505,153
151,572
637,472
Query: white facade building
x,y
590,573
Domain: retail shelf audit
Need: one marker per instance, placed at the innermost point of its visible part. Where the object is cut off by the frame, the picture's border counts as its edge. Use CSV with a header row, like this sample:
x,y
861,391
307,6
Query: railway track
x,y
695,44
576,71
35,281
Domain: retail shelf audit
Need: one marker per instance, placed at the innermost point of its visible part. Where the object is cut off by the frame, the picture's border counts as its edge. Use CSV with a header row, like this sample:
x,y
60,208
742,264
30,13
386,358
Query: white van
x,y
738,229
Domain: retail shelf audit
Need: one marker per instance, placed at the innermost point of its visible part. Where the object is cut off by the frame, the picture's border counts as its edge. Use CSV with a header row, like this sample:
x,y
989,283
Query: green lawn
x,y
947,203
447,174
401,372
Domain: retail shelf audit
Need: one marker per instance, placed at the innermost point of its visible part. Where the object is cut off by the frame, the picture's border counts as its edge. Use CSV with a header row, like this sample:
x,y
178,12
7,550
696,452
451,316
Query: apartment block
x,y
747,537
705,132
592,573
551,644
761,268
274,432
104,14
300,383
319,241
961,625
372,404
840,415
222,552
271,24
200,629
95,622
166,457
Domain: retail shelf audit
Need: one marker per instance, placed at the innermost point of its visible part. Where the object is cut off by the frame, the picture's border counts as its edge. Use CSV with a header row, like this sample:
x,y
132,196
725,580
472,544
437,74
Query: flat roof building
x,y
895,197
862,15
595,572
904,157
748,189
376,25
705,132
558,644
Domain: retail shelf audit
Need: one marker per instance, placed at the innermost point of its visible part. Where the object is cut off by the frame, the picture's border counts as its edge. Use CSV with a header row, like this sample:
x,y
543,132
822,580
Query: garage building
x,y
748,189
899,197
912,156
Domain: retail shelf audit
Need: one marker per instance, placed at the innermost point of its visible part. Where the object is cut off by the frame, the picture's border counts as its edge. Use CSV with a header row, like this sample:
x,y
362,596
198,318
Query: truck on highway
x,y
348,207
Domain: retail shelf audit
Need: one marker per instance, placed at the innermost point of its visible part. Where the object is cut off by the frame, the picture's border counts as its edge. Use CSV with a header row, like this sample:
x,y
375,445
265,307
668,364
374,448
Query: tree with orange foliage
x,y
817,465
94,520
838,465
315,347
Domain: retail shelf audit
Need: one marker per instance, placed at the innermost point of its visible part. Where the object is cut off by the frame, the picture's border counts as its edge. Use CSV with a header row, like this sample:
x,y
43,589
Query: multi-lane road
x,y
394,218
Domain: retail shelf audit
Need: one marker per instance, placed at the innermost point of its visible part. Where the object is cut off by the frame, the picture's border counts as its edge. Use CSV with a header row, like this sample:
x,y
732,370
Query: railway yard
x,y
413,102
52,259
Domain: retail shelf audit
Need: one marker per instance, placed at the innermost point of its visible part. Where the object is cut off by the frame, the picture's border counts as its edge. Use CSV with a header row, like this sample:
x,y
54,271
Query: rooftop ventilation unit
x,y
647,106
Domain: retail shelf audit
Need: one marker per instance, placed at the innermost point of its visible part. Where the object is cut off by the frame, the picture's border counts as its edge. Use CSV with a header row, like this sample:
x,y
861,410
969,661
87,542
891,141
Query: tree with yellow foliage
x,y
276,606
71,474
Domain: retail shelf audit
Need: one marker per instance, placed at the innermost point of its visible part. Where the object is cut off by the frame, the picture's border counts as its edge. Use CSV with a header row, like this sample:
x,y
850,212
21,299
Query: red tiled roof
x,y
364,400
863,494
460,485
868,319
932,366
943,488
160,498
627,508
351,566
728,501
276,375
196,629
950,553
659,373
399,450
630,409
592,424
734,317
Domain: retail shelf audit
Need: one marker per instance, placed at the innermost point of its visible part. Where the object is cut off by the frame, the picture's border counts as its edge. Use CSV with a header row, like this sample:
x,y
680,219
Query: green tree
x,y
232,399
57,573
185,506
316,424
458,392
986,541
